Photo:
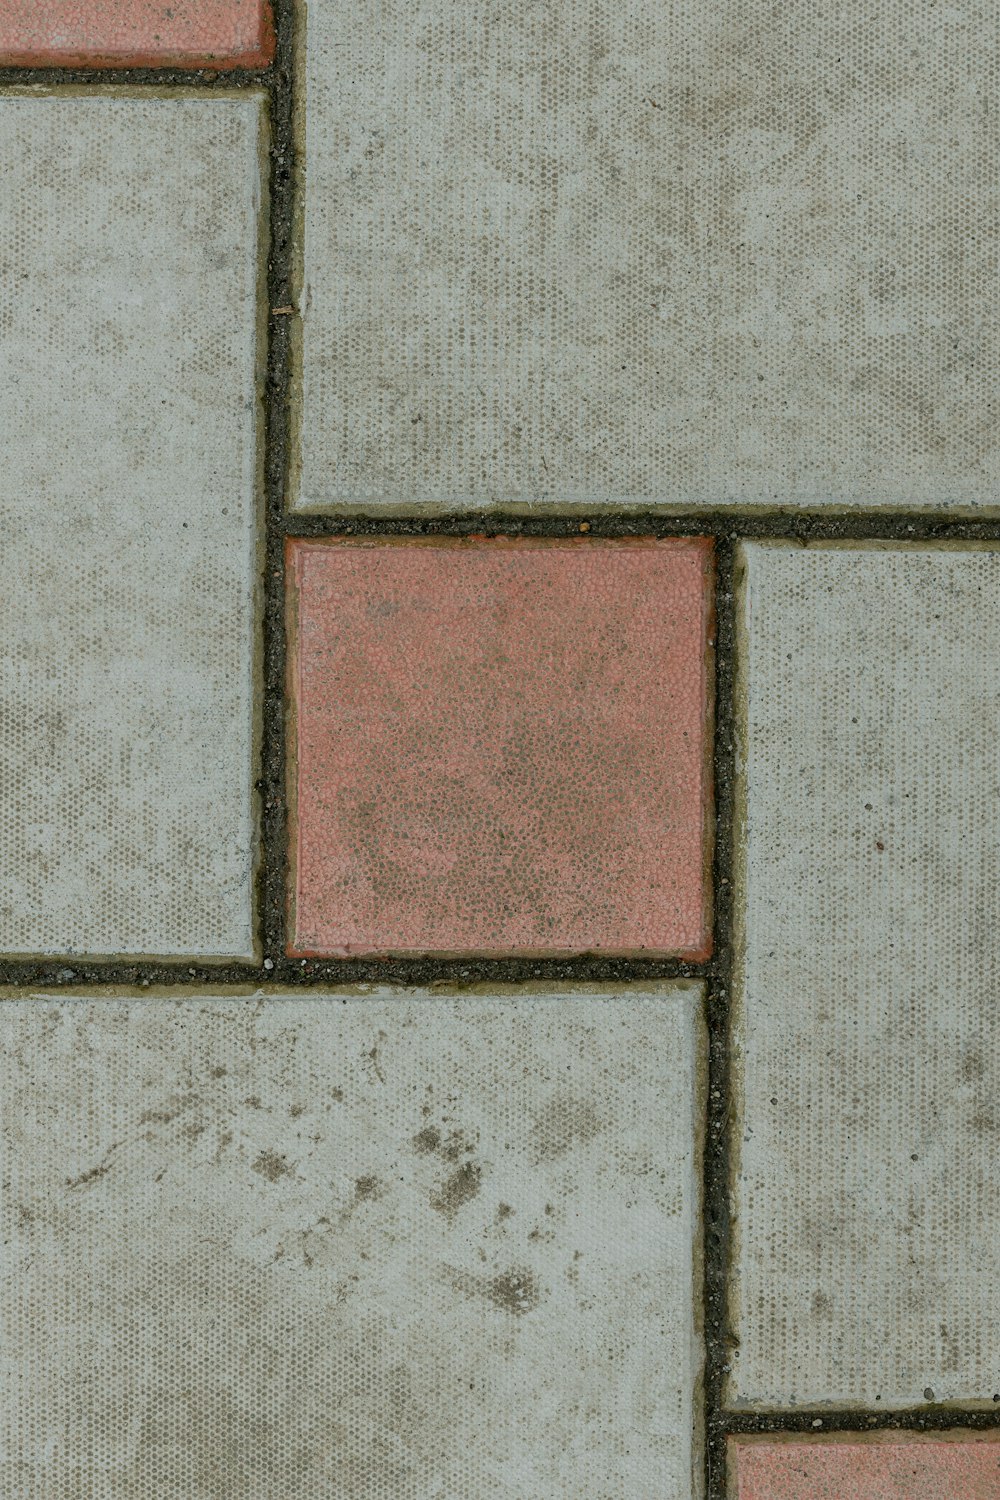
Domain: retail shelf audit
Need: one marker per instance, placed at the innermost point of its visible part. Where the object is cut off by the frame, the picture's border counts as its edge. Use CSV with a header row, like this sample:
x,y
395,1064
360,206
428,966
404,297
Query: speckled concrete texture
x,y
896,1466
129,230
384,1246
867,1212
501,747
218,34
660,254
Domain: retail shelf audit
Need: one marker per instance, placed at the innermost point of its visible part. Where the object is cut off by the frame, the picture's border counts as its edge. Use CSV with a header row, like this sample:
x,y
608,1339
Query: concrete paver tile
x,y
384,1245
217,34
595,254
501,747
867,1036
889,1466
128,508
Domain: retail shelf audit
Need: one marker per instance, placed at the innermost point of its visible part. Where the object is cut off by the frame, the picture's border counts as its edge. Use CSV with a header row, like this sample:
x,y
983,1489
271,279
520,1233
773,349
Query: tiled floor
x,y
129,413
376,1245
867,1072
221,34
900,1466
501,747
497,899
591,253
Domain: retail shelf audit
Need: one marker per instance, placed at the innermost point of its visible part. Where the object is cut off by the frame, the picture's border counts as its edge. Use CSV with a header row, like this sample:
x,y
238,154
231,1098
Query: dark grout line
x,y
130,78
835,523
824,1419
715,1209
274,816
415,973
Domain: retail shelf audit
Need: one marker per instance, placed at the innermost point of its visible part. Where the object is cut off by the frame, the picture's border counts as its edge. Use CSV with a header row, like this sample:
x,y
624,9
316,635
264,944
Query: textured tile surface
x,y
386,1248
901,1467
137,33
501,747
129,230
868,1187
660,253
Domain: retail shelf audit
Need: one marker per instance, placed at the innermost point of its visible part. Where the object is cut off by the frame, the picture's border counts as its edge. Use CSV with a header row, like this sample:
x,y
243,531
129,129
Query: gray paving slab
x,y
389,1245
129,248
659,255
867,1173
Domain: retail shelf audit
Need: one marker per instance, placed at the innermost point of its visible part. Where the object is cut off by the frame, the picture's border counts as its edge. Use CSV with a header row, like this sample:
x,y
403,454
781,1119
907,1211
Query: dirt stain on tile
x,y
457,1189
427,1140
272,1166
973,1066
563,1122
164,1113
86,1178
516,1291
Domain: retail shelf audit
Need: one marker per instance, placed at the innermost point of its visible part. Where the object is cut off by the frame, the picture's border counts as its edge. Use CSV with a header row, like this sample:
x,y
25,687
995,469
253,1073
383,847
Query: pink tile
x,y
502,746
905,1466
136,33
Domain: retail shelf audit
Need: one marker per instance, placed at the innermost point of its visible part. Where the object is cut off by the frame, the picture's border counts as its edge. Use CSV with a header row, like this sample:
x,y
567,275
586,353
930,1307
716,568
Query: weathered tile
x,y
128,407
215,34
501,746
886,1466
657,254
384,1246
868,1038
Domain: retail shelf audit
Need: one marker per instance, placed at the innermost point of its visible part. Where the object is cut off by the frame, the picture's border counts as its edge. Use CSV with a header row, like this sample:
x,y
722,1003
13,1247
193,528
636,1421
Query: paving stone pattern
x,y
867,1215
904,1466
128,501
219,34
363,1245
501,747
499,1004
657,254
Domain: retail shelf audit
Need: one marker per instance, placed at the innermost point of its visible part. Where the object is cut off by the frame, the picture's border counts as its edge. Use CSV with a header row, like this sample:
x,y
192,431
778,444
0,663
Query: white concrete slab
x,y
867,1185
129,238
666,255
386,1246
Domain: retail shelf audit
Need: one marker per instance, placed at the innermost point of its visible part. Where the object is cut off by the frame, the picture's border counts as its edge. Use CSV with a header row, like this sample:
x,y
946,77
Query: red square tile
x,y
501,746
903,1466
136,33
